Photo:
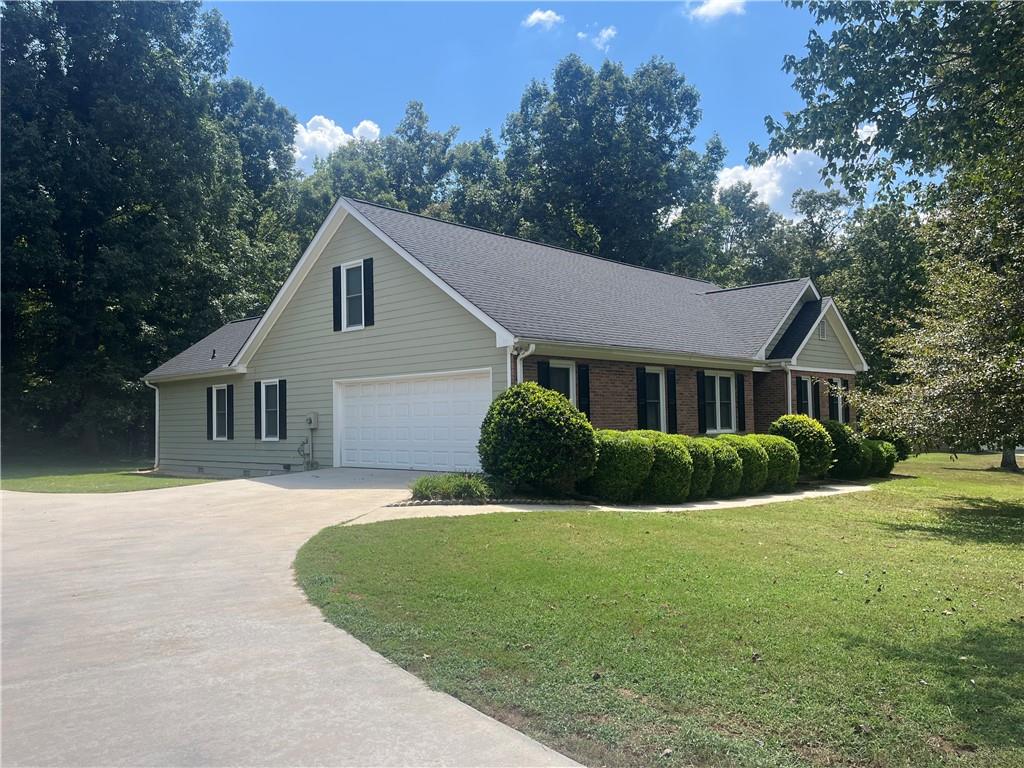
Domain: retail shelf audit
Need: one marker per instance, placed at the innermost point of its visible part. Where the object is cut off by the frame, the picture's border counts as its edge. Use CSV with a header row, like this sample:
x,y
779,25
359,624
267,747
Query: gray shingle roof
x,y
226,341
545,293
797,331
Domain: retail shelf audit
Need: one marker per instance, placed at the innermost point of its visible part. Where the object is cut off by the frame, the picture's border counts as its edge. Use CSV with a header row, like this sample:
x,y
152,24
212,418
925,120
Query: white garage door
x,y
412,422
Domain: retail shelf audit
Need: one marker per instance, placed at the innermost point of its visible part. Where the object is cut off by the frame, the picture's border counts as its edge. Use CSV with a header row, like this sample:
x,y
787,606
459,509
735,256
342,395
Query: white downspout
x,y
789,389
519,362
156,426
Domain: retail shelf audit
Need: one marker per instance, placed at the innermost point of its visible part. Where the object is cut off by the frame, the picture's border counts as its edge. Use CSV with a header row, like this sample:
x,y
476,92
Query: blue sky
x,y
348,69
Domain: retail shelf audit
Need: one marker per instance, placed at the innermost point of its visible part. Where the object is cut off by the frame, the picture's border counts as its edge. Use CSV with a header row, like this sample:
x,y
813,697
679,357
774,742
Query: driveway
x,y
164,628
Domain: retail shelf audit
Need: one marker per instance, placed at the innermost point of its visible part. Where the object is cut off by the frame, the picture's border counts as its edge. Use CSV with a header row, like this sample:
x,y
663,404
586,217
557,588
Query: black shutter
x,y
209,413
641,398
282,409
702,425
846,403
231,411
367,292
741,403
336,291
257,409
670,401
583,388
544,373
816,397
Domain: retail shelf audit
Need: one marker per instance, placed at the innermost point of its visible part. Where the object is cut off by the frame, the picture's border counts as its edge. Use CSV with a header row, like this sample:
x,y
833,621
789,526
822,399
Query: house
x,y
395,331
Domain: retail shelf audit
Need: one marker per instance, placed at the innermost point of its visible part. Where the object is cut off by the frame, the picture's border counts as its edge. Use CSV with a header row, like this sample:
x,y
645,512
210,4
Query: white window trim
x,y
823,330
571,366
214,406
345,325
718,405
662,397
263,410
837,384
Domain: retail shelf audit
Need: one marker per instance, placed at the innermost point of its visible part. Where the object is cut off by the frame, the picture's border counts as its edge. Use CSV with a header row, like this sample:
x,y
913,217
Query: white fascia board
x,y
568,350
829,306
233,370
503,337
291,285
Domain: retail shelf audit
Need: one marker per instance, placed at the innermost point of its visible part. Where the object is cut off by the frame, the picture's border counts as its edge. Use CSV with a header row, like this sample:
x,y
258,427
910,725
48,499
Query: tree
x,y
128,223
817,233
880,286
753,245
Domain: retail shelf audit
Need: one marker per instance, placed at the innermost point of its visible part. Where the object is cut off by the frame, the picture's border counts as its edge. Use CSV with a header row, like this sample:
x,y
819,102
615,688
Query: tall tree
x,y
753,248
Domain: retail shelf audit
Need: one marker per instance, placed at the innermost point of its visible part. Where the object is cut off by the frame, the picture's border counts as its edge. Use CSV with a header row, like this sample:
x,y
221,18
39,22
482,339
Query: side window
x,y
353,296
270,410
220,413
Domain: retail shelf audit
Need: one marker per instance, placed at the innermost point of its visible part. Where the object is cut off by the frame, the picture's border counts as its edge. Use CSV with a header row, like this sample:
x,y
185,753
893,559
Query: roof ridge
x,y
243,319
531,242
758,285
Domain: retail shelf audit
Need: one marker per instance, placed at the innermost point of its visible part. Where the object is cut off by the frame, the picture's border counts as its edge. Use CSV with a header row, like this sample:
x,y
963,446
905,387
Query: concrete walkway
x,y
164,628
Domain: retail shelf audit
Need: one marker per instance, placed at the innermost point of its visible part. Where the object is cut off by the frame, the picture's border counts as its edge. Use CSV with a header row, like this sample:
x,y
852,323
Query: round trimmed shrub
x,y
812,442
849,458
899,441
533,439
624,461
783,461
883,457
672,470
703,466
728,470
755,462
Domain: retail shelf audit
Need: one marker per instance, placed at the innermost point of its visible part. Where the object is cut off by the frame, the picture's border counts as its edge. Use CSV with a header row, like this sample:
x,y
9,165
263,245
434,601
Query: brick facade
x,y
769,398
613,393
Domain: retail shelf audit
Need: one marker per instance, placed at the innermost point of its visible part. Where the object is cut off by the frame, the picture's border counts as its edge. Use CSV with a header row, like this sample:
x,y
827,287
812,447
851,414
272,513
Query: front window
x,y
719,402
805,402
270,410
560,379
220,413
354,296
838,409
654,411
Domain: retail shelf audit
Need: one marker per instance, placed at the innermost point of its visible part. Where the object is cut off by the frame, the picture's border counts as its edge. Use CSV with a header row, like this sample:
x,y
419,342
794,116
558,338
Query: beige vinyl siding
x,y
824,353
418,329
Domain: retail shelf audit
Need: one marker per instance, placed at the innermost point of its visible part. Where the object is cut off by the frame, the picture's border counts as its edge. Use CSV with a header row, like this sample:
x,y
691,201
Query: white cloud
x,y
320,136
867,132
602,39
546,19
713,9
778,178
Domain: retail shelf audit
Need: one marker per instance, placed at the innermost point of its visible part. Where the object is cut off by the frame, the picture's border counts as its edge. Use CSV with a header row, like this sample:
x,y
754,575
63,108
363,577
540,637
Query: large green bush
x,y
899,441
728,470
672,470
783,461
812,442
703,466
755,462
624,461
883,457
849,463
533,439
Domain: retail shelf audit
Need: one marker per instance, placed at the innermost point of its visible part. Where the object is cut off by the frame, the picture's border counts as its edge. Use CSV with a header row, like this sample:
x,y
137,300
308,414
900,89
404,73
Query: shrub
x,y
672,470
466,487
755,462
783,461
703,466
883,457
812,442
849,455
624,461
533,438
728,470
899,441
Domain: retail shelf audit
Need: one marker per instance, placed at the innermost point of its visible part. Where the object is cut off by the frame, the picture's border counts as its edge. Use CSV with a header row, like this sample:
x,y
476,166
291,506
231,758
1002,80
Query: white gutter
x,y
156,426
519,362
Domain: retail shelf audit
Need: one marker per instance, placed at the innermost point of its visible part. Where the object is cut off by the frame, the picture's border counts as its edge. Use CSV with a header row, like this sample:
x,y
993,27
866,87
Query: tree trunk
x,y
1009,457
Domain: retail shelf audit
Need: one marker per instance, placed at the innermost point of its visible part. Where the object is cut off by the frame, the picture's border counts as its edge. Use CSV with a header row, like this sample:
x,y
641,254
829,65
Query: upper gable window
x,y
353,286
823,330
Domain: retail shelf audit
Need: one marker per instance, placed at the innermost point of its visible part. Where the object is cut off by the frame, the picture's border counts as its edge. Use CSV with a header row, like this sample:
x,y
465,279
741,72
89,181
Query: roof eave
x,y
232,370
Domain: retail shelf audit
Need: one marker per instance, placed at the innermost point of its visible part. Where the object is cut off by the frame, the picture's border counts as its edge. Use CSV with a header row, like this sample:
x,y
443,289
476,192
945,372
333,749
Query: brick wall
x,y
769,398
613,393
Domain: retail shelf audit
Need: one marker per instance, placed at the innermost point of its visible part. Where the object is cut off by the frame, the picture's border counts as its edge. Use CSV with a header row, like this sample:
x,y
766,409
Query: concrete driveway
x,y
164,628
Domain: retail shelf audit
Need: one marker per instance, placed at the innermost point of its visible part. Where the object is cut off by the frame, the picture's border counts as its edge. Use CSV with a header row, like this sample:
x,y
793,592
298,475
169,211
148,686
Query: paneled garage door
x,y
411,422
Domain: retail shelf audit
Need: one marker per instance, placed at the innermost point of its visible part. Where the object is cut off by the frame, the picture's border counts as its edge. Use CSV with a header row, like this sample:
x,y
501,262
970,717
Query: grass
x,y
109,476
465,487
880,629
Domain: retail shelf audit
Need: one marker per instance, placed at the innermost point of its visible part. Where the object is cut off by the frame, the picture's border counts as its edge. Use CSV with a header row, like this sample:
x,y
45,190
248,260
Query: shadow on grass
x,y
977,677
971,519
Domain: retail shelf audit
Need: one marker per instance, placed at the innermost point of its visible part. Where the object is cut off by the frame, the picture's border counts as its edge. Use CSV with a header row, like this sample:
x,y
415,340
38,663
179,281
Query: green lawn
x,y
85,477
880,629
